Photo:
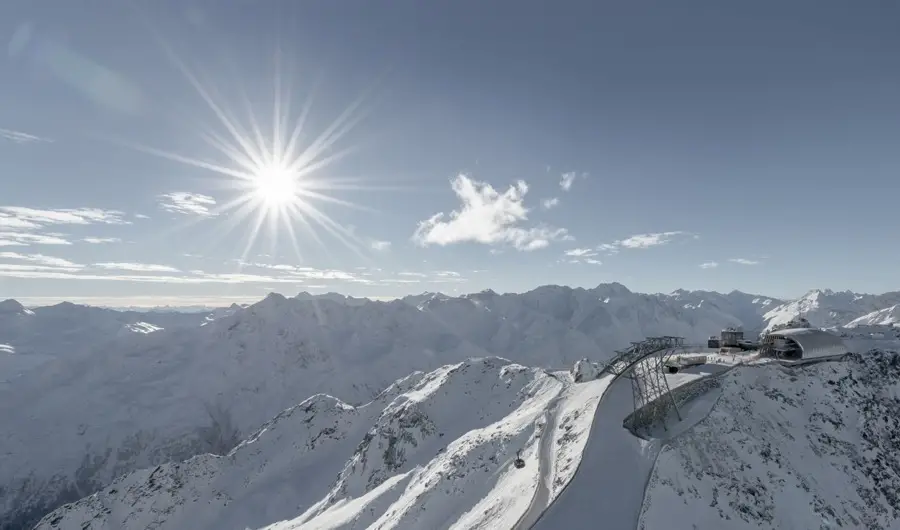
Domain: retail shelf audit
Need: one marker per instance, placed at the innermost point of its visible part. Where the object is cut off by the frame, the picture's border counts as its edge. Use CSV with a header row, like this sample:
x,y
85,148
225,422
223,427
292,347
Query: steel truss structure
x,y
642,363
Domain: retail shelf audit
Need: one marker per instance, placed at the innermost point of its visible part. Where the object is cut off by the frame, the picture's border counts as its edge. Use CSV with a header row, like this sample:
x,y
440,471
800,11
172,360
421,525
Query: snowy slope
x,y
66,329
827,308
444,440
888,316
143,399
788,448
771,447
177,393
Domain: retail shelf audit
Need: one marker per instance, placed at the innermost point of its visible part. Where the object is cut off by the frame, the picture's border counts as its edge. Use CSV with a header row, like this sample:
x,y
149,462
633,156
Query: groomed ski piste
x,y
608,483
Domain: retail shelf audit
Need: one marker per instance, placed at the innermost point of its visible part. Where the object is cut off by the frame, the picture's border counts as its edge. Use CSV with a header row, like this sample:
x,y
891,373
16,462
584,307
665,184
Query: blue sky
x,y
448,145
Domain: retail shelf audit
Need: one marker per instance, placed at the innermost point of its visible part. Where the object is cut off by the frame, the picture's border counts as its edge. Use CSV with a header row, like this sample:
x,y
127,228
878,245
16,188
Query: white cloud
x,y
550,203
41,259
709,265
101,240
582,255
141,216
608,248
37,266
20,137
567,179
581,252
14,223
649,240
744,261
640,241
136,267
35,218
488,217
304,273
24,239
149,278
381,246
18,267
187,203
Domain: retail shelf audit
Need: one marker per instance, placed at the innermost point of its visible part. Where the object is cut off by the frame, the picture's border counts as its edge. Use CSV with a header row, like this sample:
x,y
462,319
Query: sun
x,y
275,185
275,172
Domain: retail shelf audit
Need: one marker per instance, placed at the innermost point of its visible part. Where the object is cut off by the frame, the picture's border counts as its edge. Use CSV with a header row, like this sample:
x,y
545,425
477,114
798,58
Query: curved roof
x,y
814,342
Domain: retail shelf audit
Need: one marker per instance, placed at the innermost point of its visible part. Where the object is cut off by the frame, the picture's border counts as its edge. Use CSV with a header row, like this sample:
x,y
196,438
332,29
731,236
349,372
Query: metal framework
x,y
642,363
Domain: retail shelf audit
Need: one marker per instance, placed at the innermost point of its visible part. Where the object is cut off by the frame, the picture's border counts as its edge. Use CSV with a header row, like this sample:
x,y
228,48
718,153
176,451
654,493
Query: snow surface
x,y
445,440
109,402
126,402
827,308
435,450
804,447
889,316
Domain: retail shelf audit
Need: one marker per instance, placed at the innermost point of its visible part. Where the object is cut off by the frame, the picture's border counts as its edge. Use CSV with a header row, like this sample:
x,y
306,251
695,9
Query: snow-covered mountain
x,y
889,316
141,399
807,447
334,297
559,325
827,308
66,328
146,398
777,447
31,337
444,439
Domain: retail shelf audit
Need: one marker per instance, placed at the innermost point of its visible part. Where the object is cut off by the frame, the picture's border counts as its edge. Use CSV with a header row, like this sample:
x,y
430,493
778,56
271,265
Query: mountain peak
x,y
275,298
11,306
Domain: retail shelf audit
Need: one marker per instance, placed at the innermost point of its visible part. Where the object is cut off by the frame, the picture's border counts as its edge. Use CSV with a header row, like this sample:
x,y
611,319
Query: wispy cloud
x,y
41,259
20,137
552,202
10,216
141,216
136,267
642,241
581,252
8,239
709,265
10,269
187,203
650,240
381,246
101,240
566,180
488,217
608,248
743,261
39,266
582,255
306,273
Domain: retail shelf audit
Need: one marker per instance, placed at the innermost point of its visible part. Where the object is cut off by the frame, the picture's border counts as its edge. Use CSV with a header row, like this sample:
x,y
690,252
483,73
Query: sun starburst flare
x,y
276,182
